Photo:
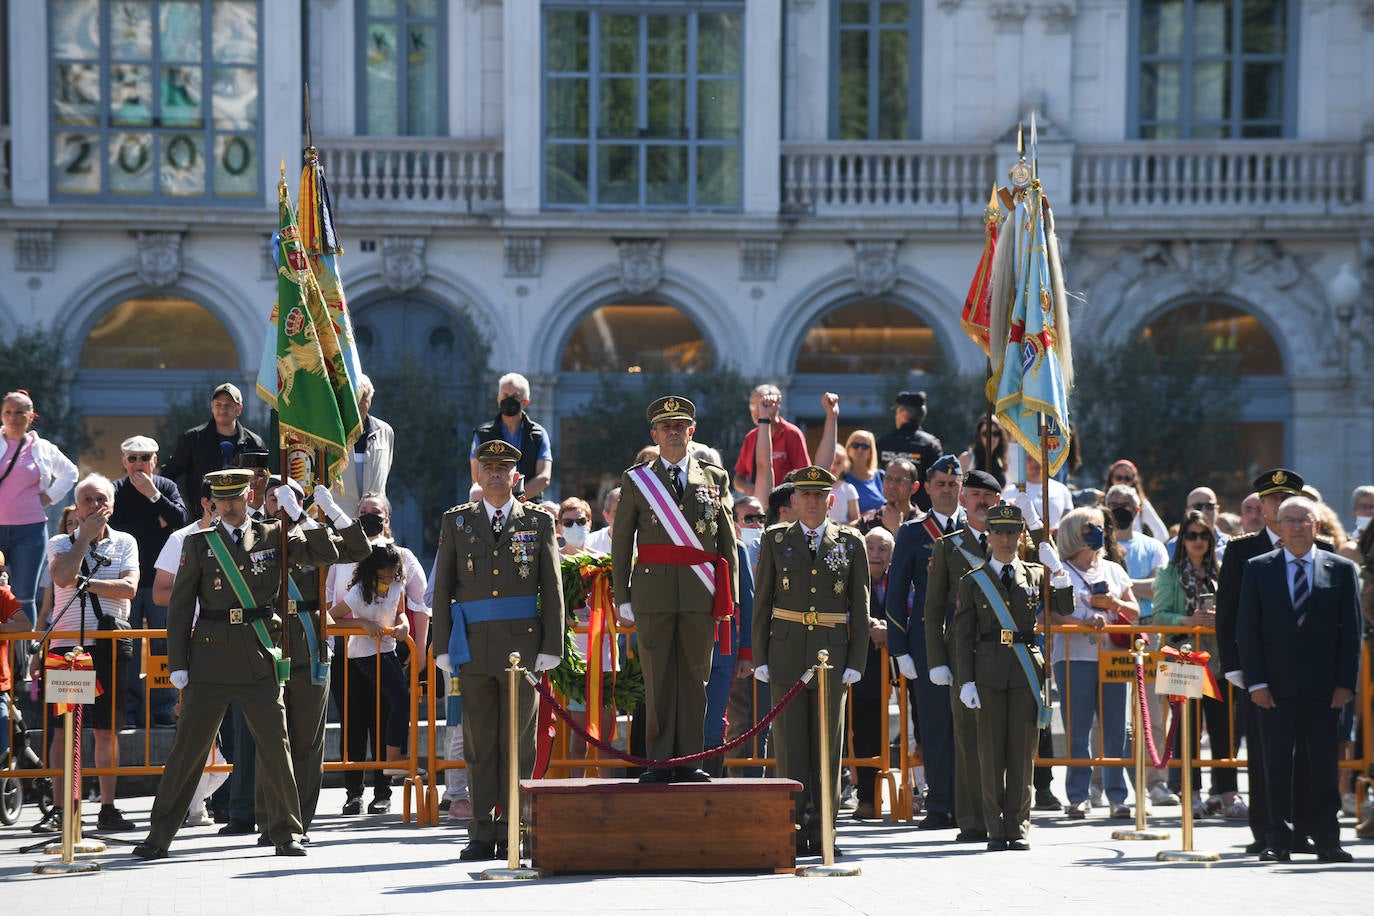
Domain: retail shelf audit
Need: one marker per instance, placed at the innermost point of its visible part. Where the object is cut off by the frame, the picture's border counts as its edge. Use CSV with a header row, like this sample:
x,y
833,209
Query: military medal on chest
x,y
786,581
470,569
218,583
838,587
524,570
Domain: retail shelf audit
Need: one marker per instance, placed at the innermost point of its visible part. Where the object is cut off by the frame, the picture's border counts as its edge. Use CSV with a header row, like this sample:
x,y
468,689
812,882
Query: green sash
x,y
999,607
231,571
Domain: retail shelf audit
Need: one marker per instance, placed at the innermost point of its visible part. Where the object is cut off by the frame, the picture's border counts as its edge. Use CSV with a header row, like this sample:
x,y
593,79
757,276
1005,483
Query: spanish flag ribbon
x,y
602,626
1209,682
75,660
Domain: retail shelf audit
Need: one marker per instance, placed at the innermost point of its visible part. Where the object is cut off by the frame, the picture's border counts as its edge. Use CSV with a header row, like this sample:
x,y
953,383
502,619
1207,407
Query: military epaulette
x,y
850,530
1243,537
463,508
778,526
538,507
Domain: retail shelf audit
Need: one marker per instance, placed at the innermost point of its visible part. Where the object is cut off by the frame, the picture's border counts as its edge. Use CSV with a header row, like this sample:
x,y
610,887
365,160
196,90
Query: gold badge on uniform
x,y
701,526
786,581
524,571
470,564
218,584
839,587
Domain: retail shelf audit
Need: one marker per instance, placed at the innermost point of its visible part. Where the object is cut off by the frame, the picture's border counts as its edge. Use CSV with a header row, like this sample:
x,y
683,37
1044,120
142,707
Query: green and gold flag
x,y
313,395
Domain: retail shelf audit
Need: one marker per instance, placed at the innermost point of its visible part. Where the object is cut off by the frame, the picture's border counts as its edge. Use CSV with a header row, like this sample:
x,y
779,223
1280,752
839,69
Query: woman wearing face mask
x,y
1101,591
1123,471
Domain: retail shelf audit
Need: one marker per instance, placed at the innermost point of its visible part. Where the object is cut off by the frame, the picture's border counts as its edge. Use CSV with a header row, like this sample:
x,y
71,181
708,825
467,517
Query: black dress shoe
x,y
1333,854
264,840
1304,845
379,805
690,774
290,848
354,805
937,821
305,839
997,845
1018,845
1270,854
971,836
477,851
149,851
656,777
238,828
1255,848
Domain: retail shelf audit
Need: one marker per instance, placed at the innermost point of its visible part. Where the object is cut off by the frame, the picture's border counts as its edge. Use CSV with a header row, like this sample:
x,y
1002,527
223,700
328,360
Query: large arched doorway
x,y
147,367
636,337
428,363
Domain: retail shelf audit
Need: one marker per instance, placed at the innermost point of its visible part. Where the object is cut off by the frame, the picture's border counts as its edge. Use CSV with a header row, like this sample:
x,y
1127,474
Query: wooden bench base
x,y
604,825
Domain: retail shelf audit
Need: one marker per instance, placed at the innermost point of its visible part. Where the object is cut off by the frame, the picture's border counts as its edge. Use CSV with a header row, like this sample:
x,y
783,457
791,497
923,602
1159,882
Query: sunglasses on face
x,y
1202,507
863,445
754,519
1196,535
569,522
1126,506
1123,480
144,458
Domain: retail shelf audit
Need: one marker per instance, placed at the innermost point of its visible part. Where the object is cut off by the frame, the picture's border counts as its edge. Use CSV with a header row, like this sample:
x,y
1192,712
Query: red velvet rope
x,y
645,762
76,762
1156,760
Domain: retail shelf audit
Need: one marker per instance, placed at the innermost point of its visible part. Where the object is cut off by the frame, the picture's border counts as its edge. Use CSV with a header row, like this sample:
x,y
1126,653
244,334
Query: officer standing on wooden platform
x,y
1000,668
811,593
497,590
233,570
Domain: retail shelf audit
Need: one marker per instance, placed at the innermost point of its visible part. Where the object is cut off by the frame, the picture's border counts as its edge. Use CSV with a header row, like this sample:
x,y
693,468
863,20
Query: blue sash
x,y
999,607
319,673
463,613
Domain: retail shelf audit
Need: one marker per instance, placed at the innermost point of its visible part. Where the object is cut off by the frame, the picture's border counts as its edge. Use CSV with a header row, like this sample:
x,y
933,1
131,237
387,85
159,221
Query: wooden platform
x,y
610,825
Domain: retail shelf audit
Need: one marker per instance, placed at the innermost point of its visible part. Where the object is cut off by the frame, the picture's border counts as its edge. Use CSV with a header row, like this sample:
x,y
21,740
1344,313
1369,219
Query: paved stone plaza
x,y
374,864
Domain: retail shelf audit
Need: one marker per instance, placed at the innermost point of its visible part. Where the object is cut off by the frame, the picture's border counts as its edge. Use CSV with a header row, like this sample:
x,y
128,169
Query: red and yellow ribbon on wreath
x,y
601,627
1209,681
75,660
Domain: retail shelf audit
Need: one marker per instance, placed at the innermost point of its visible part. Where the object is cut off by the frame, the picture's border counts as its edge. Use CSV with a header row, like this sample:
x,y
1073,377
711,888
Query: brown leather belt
x,y
811,618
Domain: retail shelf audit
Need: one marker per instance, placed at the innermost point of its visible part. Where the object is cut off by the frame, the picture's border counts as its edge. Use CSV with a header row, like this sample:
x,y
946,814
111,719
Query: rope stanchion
x,y
513,871
1187,853
673,762
1157,760
1139,718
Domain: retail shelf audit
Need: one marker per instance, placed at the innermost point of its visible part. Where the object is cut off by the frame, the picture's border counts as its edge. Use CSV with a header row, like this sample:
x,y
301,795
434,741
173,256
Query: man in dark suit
x,y
1273,488
211,446
1298,634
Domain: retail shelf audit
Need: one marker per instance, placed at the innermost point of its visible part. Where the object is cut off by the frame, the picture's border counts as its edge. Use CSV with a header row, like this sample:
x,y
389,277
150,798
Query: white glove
x,y
179,679
1237,678
968,695
544,662
626,614
1028,510
1049,558
941,676
325,500
850,676
907,666
286,499
761,674
443,664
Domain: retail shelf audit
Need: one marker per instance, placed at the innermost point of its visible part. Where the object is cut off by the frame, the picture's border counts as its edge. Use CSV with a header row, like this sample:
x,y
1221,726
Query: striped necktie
x,y
1300,589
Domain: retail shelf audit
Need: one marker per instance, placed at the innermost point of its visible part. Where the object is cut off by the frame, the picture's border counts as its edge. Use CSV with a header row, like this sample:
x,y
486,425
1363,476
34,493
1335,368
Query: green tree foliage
x,y
611,428
34,359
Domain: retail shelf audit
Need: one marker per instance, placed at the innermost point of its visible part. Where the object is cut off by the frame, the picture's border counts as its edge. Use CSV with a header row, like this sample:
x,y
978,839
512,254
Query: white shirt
x,y
505,510
942,520
1082,647
122,550
1290,563
381,610
599,541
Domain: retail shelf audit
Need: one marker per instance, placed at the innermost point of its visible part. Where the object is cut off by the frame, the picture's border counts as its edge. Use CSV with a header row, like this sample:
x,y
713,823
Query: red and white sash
x,y
674,522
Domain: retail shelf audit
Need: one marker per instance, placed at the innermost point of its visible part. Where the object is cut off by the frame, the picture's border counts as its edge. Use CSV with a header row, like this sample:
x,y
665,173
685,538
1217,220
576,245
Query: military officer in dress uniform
x,y
811,593
233,570
1000,669
306,691
666,506
497,590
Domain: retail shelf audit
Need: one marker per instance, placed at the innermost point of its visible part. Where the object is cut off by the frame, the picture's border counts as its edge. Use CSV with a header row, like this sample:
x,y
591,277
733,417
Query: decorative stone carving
x,y
1008,17
1209,266
403,262
34,249
159,258
524,256
875,265
269,257
641,264
758,259
1059,16
803,6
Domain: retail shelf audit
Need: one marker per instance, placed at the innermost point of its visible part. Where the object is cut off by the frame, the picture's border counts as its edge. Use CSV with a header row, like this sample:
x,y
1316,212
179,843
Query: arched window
x,y
387,329
159,332
867,337
1222,329
636,337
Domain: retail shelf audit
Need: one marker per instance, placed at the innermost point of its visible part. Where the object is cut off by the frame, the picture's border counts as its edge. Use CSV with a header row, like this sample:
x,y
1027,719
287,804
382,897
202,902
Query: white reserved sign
x,y
1179,680
69,686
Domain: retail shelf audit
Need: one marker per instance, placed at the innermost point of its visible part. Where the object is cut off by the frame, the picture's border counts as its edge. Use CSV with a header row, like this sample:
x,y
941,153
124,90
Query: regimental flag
x,y
316,213
978,304
307,382
1032,366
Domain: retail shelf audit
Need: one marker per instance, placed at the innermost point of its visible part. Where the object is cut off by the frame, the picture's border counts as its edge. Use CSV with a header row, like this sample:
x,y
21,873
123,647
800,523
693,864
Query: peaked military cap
x,y
812,478
498,450
229,483
672,407
1005,516
1279,480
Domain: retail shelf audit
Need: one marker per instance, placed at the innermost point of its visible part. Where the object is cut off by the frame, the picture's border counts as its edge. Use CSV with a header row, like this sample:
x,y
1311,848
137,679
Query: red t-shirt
x,y
789,451
9,606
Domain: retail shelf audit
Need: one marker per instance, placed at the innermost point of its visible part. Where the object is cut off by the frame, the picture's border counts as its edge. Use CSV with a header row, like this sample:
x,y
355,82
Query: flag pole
x,y
285,584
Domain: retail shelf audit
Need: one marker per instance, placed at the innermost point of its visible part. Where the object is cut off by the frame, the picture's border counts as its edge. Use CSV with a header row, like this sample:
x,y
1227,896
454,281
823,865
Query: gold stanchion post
x,y
827,868
513,871
1140,832
1187,853
71,818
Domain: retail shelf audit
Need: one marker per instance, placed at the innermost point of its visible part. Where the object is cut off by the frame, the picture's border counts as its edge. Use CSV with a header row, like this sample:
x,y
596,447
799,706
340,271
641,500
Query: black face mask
x,y
371,524
1122,518
511,407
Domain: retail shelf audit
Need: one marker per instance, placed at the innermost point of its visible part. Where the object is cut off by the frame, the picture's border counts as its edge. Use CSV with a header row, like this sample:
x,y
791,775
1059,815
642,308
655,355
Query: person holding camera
x,y
1185,594
1101,596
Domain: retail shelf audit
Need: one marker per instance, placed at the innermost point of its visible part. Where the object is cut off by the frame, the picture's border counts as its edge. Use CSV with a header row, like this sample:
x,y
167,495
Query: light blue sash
x,y
465,612
999,607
